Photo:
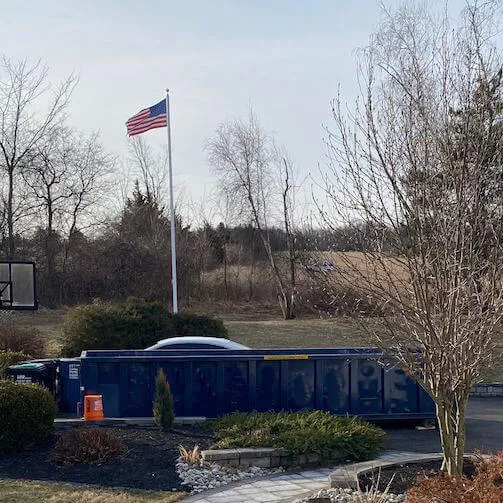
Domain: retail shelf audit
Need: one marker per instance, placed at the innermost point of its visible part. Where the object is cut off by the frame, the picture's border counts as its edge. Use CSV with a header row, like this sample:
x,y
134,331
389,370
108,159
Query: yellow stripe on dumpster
x,y
286,357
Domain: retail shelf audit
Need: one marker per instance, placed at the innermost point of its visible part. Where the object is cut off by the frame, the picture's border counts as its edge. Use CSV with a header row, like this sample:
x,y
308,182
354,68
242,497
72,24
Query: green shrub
x,y
8,358
133,324
88,445
202,325
300,433
21,339
163,403
27,413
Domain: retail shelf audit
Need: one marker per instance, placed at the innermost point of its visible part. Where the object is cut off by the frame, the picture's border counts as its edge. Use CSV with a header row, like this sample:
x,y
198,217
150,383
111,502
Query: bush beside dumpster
x,y
27,414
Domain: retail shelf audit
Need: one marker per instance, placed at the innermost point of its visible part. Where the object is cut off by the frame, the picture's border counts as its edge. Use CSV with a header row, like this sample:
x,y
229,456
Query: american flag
x,y
148,118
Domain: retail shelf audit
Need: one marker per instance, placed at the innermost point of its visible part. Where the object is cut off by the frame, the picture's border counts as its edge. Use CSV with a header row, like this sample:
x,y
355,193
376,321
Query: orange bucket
x,y
93,407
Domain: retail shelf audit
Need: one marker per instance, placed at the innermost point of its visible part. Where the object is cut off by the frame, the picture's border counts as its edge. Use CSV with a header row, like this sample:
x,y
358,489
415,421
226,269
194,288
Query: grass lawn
x,y
258,328
337,332
29,491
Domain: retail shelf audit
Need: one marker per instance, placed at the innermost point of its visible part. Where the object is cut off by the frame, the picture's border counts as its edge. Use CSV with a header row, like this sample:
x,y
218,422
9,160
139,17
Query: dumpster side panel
x,y
204,389
268,390
235,396
336,386
139,390
367,387
176,375
401,393
300,385
426,403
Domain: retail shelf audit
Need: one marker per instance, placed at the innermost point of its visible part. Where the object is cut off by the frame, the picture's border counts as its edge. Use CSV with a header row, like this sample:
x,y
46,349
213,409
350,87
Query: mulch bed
x,y
405,476
149,461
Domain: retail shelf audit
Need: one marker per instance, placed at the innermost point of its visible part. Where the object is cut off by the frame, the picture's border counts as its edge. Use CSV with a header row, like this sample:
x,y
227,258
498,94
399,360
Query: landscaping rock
x,y
340,495
210,475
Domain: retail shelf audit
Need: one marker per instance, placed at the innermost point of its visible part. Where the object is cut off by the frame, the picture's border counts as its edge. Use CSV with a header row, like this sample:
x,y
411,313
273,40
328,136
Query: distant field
x,y
336,332
258,328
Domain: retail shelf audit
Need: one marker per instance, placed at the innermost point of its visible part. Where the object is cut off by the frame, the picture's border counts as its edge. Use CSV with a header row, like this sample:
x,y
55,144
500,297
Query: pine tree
x,y
164,415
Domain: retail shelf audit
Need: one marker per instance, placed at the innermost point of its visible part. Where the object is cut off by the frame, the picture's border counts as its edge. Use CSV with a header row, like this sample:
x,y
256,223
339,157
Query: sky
x,y
219,58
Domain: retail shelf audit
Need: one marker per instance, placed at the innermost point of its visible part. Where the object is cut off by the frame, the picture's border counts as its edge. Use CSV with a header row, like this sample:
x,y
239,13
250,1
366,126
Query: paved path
x,y
277,488
285,487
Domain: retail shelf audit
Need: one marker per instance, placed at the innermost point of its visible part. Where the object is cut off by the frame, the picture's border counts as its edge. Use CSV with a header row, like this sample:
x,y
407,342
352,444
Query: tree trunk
x,y
50,251
290,241
10,215
284,299
226,286
451,422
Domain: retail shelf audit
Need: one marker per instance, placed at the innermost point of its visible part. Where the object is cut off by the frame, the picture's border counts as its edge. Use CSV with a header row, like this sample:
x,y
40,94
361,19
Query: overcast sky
x,y
219,58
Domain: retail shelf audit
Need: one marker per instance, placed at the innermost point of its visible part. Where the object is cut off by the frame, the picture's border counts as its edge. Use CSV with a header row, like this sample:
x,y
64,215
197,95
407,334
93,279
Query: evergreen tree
x,y
164,414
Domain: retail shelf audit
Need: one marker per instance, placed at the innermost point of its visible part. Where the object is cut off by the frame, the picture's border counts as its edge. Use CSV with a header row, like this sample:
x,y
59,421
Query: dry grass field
x,y
27,491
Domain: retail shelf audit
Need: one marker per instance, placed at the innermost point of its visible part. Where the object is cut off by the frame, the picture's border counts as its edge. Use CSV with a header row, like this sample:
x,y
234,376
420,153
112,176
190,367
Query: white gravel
x,y
339,495
210,475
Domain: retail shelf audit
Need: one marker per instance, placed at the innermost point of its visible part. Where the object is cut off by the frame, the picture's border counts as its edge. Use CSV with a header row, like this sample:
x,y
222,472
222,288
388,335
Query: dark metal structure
x,y
210,383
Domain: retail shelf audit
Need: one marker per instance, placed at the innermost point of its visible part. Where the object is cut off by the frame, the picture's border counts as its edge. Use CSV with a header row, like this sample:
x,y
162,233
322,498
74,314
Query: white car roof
x,y
218,342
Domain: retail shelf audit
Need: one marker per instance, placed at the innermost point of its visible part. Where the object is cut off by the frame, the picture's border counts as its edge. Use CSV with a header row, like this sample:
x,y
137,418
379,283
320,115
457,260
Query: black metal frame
x,y
7,305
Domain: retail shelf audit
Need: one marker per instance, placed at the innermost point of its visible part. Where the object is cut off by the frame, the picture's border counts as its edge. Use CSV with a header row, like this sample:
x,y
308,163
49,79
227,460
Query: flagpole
x,y
172,211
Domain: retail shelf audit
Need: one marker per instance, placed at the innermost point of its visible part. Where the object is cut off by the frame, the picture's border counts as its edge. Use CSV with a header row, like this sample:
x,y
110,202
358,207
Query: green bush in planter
x,y
309,432
27,414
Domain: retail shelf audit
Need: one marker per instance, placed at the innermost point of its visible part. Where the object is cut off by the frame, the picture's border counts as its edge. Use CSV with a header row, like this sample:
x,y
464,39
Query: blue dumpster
x,y
210,383
69,384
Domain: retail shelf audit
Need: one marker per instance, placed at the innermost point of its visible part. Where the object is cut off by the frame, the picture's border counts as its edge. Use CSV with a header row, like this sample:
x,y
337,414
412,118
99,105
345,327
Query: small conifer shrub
x,y
163,403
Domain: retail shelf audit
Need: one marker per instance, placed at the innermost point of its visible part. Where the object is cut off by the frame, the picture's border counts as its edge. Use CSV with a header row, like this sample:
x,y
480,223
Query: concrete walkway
x,y
286,487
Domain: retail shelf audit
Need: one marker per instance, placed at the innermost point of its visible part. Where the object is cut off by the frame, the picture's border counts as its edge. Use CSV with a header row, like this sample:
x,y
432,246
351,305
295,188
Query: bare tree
x,y
23,90
68,176
260,184
150,170
418,165
287,187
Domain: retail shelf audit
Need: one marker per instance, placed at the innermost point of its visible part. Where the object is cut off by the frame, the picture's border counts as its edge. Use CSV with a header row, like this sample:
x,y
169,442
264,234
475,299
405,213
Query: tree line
x,y
60,206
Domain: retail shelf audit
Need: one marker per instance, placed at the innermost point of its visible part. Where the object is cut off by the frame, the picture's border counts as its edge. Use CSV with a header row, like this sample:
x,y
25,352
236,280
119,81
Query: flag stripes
x,y
148,118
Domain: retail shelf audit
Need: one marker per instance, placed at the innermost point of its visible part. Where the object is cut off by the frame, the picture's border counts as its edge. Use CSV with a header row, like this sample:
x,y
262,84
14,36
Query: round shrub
x,y
27,413
87,445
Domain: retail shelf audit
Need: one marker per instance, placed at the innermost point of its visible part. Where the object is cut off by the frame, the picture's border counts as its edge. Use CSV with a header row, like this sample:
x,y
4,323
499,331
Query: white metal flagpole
x,y
172,211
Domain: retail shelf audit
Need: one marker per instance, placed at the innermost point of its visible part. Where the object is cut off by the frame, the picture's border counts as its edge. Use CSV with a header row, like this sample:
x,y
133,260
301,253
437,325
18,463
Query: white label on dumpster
x,y
73,371
23,379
